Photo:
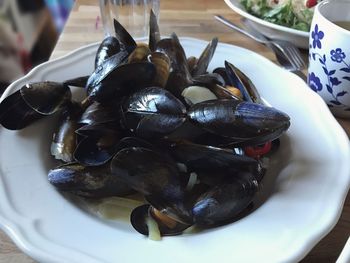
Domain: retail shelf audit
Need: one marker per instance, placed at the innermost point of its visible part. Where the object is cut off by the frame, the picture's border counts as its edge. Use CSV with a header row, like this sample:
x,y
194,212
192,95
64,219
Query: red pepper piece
x,y
257,151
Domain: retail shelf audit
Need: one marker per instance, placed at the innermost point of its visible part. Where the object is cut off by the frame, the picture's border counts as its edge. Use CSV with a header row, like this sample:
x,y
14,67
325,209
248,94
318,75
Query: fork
x,y
287,49
291,51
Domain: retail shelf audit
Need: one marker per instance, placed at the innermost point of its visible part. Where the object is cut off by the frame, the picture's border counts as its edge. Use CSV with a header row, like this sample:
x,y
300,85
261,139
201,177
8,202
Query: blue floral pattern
x,y
338,56
317,36
314,82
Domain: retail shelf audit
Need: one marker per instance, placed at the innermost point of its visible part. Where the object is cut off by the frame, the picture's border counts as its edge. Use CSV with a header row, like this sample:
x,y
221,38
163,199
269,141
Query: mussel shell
x,y
222,72
98,113
153,112
140,215
122,81
64,139
223,202
139,54
162,64
239,80
155,176
108,47
125,39
179,77
77,82
208,79
237,119
154,33
32,102
103,72
205,58
99,145
94,182
46,97
213,160
191,61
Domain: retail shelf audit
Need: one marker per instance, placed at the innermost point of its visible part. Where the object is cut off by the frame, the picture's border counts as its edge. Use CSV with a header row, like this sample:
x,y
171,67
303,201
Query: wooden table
x,y
194,19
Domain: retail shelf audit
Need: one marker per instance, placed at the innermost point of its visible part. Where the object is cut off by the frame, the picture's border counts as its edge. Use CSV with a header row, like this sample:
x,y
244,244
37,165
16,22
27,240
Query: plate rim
x,y
13,230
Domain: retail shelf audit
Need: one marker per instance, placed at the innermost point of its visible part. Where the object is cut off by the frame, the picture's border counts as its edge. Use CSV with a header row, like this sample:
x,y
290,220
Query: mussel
x,y
91,182
33,102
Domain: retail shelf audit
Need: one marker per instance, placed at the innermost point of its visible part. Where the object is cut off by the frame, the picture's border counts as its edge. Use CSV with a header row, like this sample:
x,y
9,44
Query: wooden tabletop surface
x,y
192,18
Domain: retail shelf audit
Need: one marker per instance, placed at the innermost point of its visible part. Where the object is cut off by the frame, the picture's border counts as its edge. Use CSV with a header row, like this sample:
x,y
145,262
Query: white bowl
x,y
310,172
274,31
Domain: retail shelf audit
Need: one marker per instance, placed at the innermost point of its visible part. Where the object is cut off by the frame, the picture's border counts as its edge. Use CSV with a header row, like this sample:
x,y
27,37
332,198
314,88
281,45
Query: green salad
x,y
294,14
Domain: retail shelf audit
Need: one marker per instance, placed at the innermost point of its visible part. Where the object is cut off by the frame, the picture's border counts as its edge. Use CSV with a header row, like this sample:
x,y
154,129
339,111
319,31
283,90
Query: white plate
x,y
312,167
274,31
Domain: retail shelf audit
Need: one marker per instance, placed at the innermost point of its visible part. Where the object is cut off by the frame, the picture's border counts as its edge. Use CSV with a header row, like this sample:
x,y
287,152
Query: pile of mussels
x,y
156,123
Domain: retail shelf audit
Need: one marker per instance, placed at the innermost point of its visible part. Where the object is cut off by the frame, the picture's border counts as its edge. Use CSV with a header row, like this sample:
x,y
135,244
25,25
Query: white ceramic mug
x,y
132,14
329,55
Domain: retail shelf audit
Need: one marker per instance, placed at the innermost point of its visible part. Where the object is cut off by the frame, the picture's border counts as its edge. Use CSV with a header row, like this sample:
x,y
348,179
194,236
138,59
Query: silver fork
x,y
291,51
287,49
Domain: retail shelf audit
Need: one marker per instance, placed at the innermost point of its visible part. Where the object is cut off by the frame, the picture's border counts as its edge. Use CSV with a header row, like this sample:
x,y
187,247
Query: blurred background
x,y
29,30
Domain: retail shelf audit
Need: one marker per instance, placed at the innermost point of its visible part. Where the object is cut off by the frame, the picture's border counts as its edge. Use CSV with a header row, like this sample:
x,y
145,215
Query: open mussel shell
x,y
205,58
122,81
197,94
98,145
239,80
64,139
154,33
92,182
156,176
237,119
153,112
141,215
32,102
179,77
125,39
108,47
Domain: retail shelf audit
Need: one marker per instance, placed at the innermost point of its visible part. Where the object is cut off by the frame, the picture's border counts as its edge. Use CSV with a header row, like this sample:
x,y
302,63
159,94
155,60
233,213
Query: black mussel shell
x,y
205,58
208,79
155,176
140,215
103,71
237,119
201,158
225,201
77,82
98,146
122,81
153,112
179,77
239,80
64,139
98,113
154,33
92,182
32,102
222,72
125,39
108,47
